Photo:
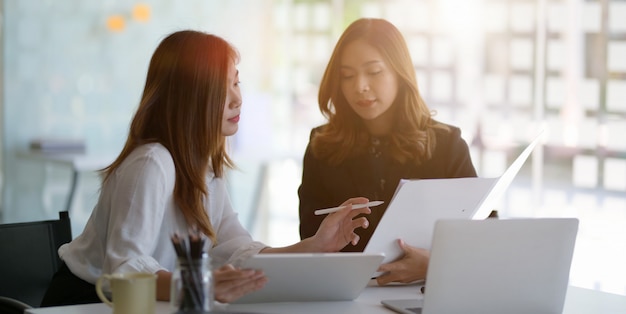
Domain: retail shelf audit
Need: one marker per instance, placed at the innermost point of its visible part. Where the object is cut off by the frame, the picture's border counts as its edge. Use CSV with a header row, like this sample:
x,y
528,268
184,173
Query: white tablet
x,y
418,204
296,277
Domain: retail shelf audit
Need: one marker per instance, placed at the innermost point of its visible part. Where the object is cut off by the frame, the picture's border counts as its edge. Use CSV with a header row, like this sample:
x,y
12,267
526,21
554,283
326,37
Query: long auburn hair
x,y
181,108
412,137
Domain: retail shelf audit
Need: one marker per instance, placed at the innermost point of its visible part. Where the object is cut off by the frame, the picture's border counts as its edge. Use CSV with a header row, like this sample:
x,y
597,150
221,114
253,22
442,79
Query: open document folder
x,y
418,204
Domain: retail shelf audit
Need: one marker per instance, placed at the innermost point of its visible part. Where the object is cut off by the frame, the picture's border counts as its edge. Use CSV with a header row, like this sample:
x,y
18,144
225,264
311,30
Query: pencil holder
x,y
192,286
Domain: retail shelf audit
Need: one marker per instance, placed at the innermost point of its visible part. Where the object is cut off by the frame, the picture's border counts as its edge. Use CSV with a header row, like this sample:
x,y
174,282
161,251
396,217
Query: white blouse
x,y
130,227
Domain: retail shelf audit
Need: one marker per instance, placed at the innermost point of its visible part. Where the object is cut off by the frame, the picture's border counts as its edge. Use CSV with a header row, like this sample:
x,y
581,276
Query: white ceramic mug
x,y
132,293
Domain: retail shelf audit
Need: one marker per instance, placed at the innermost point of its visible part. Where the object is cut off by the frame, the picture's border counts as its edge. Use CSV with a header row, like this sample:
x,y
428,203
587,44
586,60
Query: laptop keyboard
x,y
417,310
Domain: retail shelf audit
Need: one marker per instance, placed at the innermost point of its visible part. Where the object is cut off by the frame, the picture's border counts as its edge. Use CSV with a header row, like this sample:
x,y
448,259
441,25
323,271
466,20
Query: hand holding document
x,y
354,206
418,204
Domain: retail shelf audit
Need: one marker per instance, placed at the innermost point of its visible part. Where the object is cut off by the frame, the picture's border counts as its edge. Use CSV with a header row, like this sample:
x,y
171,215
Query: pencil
x,y
354,206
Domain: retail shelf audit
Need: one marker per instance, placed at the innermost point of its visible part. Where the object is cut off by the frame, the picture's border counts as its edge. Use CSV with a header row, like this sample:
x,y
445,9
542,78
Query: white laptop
x,y
496,266
417,204
294,277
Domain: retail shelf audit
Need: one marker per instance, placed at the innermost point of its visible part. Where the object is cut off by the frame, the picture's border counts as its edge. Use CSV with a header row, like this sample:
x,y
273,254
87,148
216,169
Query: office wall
x,y
69,75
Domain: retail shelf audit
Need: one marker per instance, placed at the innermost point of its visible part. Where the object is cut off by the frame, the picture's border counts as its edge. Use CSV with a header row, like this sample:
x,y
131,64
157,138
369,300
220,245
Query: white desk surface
x,y
577,301
76,161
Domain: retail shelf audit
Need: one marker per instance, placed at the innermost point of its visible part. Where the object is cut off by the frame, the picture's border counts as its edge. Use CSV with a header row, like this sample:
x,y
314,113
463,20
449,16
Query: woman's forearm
x,y
304,246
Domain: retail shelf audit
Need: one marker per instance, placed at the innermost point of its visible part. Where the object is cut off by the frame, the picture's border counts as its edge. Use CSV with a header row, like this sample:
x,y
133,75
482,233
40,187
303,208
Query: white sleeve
x,y
234,243
138,205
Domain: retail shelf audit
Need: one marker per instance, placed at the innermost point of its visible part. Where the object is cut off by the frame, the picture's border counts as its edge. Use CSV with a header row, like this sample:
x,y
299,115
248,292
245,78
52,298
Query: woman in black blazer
x,y
379,131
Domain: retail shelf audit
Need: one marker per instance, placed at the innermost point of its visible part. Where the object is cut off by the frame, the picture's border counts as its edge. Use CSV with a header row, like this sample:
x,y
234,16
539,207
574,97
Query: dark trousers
x,y
67,289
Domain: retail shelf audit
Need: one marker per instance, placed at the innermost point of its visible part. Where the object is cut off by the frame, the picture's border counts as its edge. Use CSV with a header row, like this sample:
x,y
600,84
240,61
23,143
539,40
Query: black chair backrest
x,y
12,306
29,257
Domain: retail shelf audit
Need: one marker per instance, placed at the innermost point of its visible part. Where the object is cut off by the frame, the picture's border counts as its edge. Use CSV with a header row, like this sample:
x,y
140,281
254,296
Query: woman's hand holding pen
x,y
334,233
410,267
337,229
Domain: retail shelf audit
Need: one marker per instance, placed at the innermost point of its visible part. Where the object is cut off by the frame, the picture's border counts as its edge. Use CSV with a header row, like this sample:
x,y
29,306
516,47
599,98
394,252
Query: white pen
x,y
354,206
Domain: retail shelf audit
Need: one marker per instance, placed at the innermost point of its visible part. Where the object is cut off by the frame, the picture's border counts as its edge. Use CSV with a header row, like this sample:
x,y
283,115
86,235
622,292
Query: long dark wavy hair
x,y
181,108
412,138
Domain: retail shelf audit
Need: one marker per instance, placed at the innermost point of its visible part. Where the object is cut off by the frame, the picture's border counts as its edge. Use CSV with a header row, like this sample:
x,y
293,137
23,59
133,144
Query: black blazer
x,y
325,186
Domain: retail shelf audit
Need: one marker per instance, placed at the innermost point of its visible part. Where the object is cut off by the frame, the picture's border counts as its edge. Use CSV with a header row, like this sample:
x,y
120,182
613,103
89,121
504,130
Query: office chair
x,y
29,257
12,306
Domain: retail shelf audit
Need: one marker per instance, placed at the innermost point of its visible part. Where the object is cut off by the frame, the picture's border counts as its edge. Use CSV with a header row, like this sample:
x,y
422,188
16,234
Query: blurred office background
x,y
499,69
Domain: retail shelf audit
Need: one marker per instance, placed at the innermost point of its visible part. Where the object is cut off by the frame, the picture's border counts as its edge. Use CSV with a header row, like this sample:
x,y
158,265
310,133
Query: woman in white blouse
x,y
169,178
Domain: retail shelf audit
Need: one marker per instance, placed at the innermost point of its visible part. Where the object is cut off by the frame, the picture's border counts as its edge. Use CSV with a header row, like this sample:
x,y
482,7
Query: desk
x,y
76,162
577,301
